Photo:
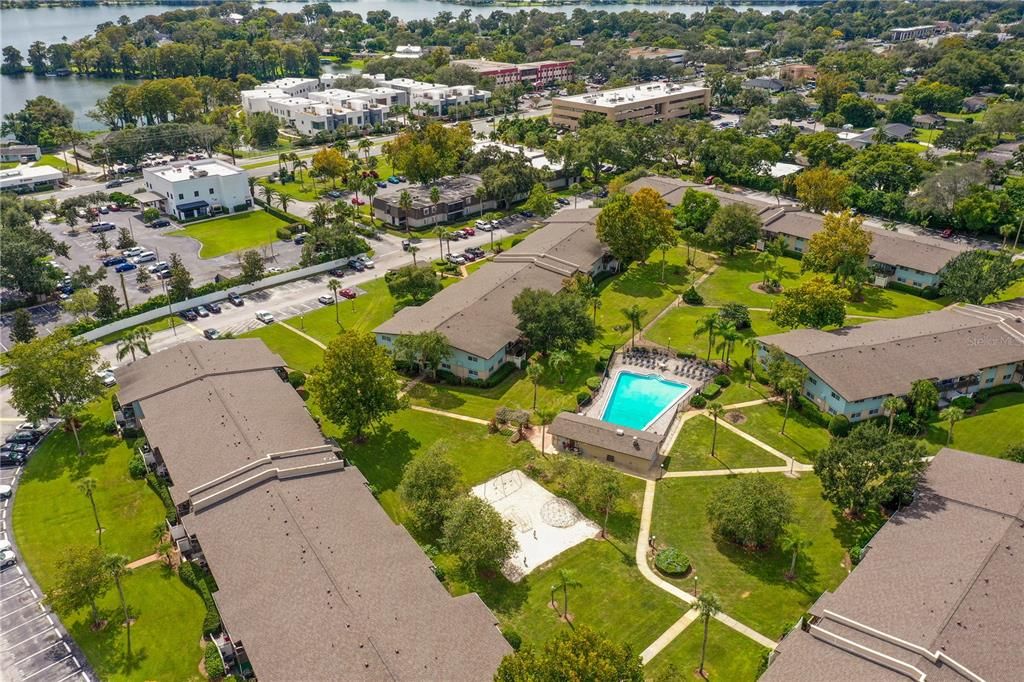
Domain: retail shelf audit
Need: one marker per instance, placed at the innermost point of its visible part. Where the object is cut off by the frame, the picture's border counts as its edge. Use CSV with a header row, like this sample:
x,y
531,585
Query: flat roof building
x,y
314,580
665,54
475,313
852,370
644,103
193,189
530,73
637,451
938,594
29,178
900,35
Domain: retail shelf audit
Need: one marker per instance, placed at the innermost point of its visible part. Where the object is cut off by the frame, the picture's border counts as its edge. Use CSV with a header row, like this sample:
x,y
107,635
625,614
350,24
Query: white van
x,y
145,257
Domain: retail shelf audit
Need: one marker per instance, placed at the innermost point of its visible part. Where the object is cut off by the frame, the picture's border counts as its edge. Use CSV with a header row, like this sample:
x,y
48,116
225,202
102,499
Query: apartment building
x,y
644,103
529,73
193,189
436,98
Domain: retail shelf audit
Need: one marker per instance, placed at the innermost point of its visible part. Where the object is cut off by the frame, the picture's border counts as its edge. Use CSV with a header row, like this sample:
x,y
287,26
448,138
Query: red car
x,y
356,201
947,233
114,207
346,293
468,231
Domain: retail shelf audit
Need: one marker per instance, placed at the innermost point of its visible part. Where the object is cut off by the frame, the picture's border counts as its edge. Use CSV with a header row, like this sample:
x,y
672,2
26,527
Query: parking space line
x,y
41,651
68,677
46,631
48,667
15,594
25,623
7,613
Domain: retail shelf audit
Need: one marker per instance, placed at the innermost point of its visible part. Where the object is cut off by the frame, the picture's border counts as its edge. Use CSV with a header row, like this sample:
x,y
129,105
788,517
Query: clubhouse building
x,y
313,580
938,594
897,258
475,314
851,371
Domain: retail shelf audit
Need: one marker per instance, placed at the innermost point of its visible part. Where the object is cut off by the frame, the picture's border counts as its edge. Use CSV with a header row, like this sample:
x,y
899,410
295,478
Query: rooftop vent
x,y
620,432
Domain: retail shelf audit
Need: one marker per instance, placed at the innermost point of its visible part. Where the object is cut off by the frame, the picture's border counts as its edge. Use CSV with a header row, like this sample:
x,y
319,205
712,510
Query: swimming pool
x,y
637,399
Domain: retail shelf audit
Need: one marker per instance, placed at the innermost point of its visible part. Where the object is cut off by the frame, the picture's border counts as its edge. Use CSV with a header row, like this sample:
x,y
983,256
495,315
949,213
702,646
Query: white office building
x,y
26,178
437,98
193,189
258,99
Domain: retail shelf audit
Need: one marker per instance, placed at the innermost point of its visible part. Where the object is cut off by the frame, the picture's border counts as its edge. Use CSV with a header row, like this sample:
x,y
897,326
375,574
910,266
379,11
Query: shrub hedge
x,y
711,391
723,380
192,577
212,662
692,297
986,393
137,466
160,488
839,425
593,383
698,401
671,561
929,293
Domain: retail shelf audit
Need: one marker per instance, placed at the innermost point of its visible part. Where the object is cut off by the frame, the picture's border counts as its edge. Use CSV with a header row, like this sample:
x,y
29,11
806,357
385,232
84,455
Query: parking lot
x,y
33,643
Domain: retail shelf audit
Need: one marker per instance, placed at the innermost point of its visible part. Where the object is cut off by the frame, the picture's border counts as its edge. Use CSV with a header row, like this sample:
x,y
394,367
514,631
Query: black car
x,y
160,222
114,183
469,255
28,436
334,194
300,239
562,201
114,260
189,315
527,214
11,459
23,448
356,265
235,300
476,251
337,272
213,307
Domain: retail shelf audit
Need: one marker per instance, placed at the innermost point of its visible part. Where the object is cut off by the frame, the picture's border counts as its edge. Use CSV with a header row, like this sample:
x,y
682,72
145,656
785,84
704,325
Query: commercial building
x,y
795,74
645,103
772,85
313,580
529,73
19,153
901,35
658,54
894,257
938,594
852,370
193,189
435,98
458,199
407,52
475,313
636,451
29,178
329,110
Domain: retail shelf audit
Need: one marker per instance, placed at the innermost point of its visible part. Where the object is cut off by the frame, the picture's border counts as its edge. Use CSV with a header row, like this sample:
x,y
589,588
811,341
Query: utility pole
x,y
124,290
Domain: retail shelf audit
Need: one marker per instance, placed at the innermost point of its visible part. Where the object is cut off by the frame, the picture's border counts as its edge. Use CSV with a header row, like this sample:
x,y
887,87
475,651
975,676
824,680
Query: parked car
x,y
356,264
394,180
114,208
367,262
562,201
337,272
114,260
300,239
406,244
211,333
326,300
104,210
145,257
382,184
213,307
7,559
235,300
125,267
347,293
947,233
468,231
21,449
132,252
5,492
102,227
455,259
476,251
189,315
160,222
334,194
114,183
264,316
401,178
107,377
469,255
163,274
11,458
356,201
201,311
159,267
29,436
527,214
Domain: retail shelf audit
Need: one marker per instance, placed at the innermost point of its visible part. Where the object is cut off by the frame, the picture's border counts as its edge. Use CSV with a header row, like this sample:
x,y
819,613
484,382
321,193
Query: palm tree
x,y
729,336
481,193
320,214
252,186
117,567
284,199
296,165
951,415
751,343
789,386
370,190
441,233
435,199
635,315
332,287
135,340
566,579
559,360
268,193
88,486
67,413
282,159
413,249
708,607
664,247
405,203
544,416
534,372
709,324
716,410
893,405
793,541
364,146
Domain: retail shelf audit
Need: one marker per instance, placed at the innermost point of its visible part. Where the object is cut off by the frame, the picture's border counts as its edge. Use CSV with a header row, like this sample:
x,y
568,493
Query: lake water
x,y
21,27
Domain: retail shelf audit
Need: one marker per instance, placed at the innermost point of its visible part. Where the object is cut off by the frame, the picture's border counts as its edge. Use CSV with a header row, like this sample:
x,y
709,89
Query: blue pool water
x,y
637,400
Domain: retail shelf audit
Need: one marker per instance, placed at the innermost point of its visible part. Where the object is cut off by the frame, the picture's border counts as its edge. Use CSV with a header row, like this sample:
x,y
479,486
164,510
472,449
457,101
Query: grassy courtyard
x,y
52,515
995,425
249,230
752,585
298,353
692,449
676,327
804,436
731,657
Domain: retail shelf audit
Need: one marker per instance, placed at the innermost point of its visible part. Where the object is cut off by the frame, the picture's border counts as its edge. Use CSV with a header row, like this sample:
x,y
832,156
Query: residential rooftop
x,y
313,578
476,313
938,594
599,433
886,356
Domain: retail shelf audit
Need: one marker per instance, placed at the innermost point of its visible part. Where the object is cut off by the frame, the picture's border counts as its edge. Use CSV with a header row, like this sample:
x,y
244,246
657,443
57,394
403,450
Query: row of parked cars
x,y
468,256
18,447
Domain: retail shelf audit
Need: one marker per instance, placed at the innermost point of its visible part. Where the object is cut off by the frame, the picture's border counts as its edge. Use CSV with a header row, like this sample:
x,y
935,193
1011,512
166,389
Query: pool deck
x,y
664,370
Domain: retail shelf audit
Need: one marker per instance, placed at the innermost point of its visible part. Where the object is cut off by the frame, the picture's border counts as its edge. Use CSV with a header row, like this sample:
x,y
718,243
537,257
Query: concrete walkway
x,y
451,415
152,558
730,472
666,637
303,334
797,466
749,403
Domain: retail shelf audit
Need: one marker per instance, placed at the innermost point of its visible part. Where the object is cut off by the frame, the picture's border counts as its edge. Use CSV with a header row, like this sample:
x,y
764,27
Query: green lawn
x,y
303,190
249,230
298,352
997,424
676,328
912,146
614,598
804,437
57,161
154,326
365,312
752,585
52,515
165,635
732,281
731,657
692,449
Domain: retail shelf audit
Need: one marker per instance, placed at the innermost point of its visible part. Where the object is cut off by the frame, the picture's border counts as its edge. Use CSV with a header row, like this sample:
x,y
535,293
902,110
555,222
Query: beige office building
x,y
643,103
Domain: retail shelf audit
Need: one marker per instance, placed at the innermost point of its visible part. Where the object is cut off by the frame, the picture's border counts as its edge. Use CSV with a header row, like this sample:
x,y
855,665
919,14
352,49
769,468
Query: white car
x,y
159,267
265,316
5,492
7,559
132,252
107,377
145,257
367,262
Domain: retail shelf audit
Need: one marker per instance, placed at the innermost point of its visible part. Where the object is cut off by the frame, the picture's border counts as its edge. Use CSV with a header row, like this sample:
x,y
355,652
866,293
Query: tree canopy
x,y
750,510
632,226
815,302
553,321
576,654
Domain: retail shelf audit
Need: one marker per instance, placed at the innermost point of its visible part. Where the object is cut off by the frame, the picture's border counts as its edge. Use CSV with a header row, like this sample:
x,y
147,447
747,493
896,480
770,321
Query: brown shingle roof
x,y
886,356
621,439
945,574
314,579
476,313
